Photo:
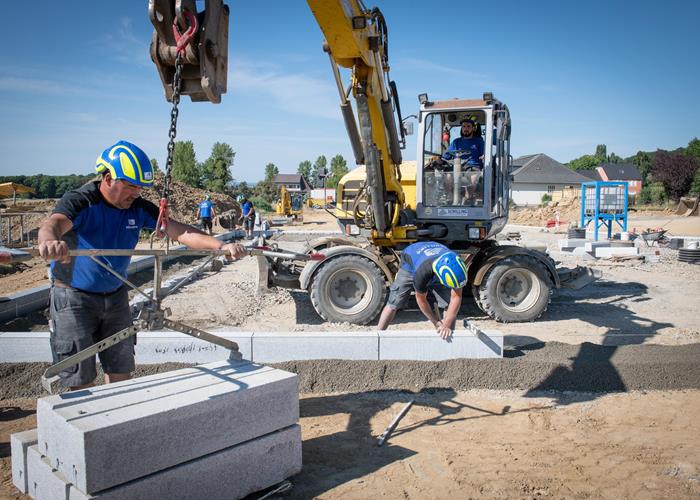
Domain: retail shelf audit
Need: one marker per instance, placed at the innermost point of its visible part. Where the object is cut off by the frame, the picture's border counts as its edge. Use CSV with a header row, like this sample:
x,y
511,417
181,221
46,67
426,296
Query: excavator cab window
x,y
453,165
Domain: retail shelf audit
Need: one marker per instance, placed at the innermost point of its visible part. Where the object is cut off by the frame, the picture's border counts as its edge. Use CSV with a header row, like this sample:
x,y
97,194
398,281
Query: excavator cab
x,y
462,195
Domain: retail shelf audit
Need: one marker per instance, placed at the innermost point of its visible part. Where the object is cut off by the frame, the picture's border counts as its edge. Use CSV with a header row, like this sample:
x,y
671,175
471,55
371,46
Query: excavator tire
x,y
515,290
477,299
348,288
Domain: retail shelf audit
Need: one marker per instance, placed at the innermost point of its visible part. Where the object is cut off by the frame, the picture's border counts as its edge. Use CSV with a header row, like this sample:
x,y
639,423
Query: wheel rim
x,y
349,290
518,290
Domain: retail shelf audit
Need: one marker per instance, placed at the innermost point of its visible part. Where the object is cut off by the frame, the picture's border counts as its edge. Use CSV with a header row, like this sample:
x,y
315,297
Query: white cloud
x,y
295,93
125,46
34,85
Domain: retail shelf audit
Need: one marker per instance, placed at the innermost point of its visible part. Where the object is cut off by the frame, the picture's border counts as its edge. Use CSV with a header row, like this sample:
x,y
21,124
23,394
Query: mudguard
x,y
486,259
312,265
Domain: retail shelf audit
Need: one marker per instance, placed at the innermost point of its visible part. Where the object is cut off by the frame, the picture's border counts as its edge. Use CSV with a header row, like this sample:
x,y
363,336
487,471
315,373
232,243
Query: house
x,y
293,182
592,174
536,175
622,172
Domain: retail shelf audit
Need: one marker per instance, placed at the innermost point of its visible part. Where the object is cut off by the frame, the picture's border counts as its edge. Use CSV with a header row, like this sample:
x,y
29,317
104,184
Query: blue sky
x,y
76,77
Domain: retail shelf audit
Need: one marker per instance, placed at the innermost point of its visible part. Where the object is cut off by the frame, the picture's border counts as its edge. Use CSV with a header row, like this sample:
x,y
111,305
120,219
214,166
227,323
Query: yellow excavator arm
x,y
356,39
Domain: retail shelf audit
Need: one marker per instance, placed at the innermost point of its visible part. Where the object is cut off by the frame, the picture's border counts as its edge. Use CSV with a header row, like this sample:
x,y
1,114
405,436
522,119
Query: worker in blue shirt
x,y
206,213
427,265
88,303
470,144
247,215
470,147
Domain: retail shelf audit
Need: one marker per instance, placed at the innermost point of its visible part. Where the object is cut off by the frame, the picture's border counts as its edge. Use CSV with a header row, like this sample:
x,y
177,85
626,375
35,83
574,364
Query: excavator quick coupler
x,y
205,59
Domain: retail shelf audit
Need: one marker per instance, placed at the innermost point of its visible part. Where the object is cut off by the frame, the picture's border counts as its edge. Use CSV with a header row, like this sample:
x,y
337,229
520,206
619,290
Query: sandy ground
x,y
582,406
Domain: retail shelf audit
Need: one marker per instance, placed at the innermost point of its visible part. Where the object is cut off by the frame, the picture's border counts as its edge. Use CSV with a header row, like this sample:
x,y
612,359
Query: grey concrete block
x,y
271,347
19,444
108,435
45,482
608,252
571,243
428,346
233,472
8,309
592,245
167,347
25,347
31,300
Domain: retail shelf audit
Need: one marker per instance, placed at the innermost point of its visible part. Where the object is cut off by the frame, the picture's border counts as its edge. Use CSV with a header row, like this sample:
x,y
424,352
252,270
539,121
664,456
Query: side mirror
x,y
408,128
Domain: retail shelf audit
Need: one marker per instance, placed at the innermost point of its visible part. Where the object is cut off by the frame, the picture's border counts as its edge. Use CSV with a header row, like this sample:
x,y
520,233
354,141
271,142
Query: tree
x,y
271,171
185,168
154,165
675,171
643,162
304,170
244,189
339,167
693,148
216,173
318,169
585,162
695,186
613,158
266,190
601,152
47,188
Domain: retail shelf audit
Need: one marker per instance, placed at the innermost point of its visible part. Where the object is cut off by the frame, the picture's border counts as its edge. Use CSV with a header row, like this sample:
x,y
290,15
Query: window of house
x,y
551,188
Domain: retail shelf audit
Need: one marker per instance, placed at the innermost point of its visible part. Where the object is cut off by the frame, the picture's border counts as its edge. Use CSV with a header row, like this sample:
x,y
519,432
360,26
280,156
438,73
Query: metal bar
x,y
122,278
189,276
387,432
50,376
201,334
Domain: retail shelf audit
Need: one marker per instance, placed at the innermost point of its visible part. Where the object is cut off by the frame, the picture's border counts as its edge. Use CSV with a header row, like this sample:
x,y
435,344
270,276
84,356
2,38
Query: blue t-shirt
x,y
247,208
474,146
205,209
418,259
97,224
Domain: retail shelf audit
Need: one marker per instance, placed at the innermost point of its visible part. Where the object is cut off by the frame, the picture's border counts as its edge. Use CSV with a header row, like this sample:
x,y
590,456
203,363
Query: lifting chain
x,y
182,41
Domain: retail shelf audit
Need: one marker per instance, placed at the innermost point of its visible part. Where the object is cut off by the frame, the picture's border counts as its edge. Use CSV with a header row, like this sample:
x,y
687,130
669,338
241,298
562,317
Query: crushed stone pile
x,y
183,200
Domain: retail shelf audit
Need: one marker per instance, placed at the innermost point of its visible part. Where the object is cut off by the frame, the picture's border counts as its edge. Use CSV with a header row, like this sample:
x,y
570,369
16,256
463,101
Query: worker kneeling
x,y
426,265
88,303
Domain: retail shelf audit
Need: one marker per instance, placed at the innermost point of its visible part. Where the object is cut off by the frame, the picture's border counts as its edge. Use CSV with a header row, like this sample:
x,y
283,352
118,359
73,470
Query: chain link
x,y
172,133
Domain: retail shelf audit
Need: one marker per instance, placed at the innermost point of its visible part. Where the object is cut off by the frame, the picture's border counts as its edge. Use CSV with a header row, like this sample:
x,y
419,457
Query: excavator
x,y
385,204
289,206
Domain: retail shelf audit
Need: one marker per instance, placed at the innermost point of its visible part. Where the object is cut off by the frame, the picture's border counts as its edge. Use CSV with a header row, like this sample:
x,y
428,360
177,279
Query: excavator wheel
x,y
516,289
349,288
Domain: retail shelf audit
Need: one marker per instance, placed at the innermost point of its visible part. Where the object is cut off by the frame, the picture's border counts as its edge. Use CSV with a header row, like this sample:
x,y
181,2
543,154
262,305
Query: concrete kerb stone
x,y
233,472
609,252
25,347
167,419
19,444
45,482
428,346
168,346
276,347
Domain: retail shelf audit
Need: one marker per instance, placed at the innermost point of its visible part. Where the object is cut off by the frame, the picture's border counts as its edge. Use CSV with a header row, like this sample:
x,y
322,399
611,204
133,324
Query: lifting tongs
x,y
151,316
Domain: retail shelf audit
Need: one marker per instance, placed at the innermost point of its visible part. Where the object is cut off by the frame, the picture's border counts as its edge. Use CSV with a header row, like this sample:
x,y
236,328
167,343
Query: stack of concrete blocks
x,y
597,249
218,431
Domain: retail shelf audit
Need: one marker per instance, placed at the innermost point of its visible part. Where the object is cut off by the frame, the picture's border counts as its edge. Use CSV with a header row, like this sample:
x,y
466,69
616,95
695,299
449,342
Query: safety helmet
x,y
207,197
240,198
450,270
469,119
127,162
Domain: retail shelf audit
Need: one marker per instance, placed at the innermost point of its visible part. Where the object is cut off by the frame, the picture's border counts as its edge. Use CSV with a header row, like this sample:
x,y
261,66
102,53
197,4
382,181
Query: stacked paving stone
x,y
220,430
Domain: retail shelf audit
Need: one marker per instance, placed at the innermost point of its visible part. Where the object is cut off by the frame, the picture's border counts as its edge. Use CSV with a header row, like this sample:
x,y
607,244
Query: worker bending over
x,y
427,265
